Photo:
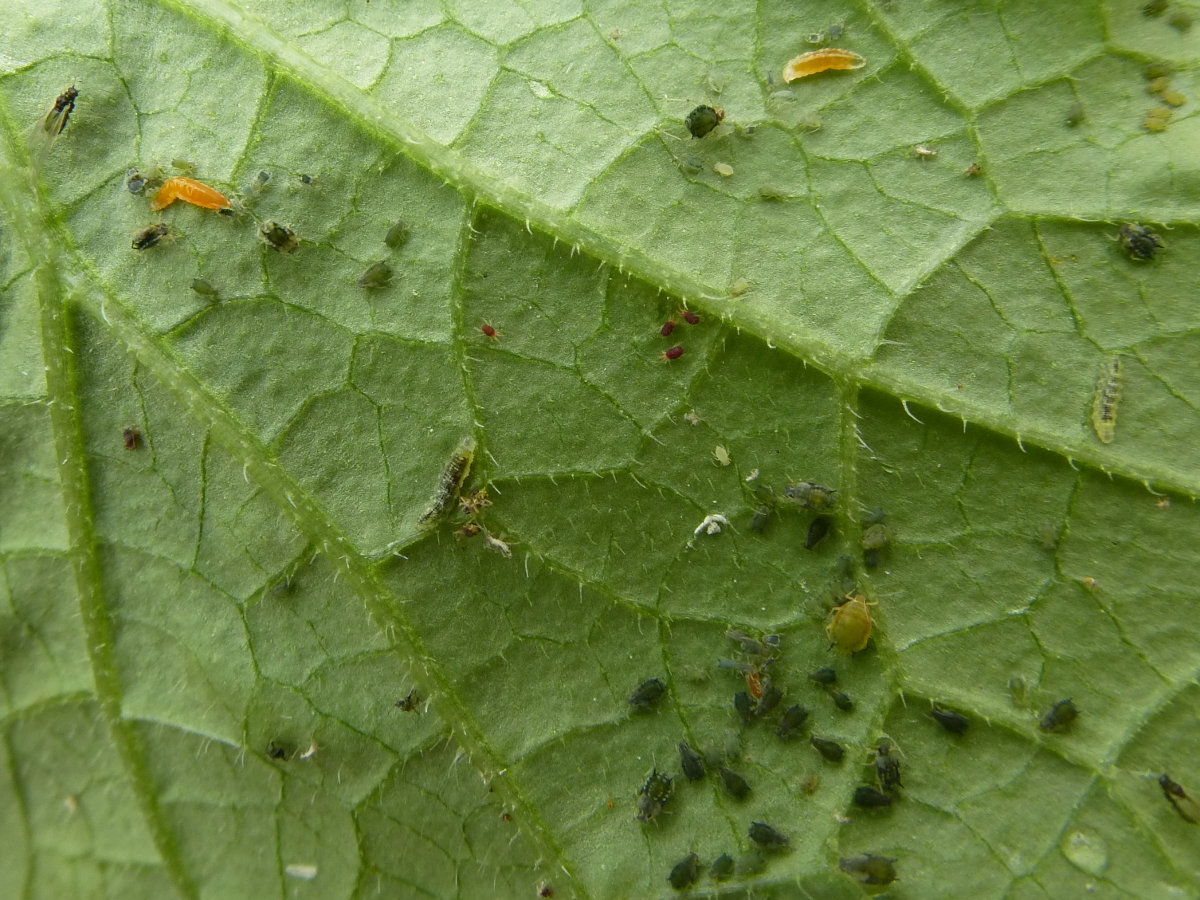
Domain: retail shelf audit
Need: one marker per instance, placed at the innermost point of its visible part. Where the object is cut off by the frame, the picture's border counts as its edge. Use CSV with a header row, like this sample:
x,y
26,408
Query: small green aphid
x,y
887,767
183,165
647,693
653,796
1154,9
703,119
770,192
204,288
1059,717
842,700
877,536
377,275
278,237
811,495
870,798
735,784
955,723
823,676
397,236
691,762
869,869
832,751
693,165
745,709
791,721
722,868
149,236
767,837
1181,21
685,872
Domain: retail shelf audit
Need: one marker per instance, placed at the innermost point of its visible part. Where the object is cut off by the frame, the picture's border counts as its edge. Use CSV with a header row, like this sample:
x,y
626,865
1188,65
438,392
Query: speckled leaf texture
x,y
207,640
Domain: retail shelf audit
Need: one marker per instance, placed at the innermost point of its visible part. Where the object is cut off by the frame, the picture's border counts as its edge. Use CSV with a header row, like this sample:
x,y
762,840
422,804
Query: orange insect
x,y
754,684
821,61
189,190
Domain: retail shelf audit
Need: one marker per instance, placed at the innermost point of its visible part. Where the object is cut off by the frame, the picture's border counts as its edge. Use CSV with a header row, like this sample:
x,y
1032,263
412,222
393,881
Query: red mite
x,y
667,328
489,331
673,353
690,317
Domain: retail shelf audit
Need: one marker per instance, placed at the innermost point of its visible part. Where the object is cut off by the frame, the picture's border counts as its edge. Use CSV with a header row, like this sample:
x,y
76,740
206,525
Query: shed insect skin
x,y
189,190
827,59
450,482
1139,241
1106,400
132,438
1185,805
410,702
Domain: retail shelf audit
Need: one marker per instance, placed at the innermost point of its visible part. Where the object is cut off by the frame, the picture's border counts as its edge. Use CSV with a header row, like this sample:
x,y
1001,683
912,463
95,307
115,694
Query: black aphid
x,y
767,837
869,797
1139,241
737,786
824,676
410,702
791,721
653,796
1188,808
950,720
816,531
842,701
647,693
869,869
722,867
703,119
1059,717
691,761
770,698
741,702
276,750
887,767
831,750
685,873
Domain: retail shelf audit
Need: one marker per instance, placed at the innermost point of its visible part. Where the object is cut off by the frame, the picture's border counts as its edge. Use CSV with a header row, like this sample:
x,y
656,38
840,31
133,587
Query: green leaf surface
x,y
206,641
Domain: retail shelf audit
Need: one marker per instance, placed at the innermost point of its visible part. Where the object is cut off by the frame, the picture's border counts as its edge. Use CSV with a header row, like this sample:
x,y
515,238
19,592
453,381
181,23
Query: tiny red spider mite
x,y
667,328
490,331
673,353
690,317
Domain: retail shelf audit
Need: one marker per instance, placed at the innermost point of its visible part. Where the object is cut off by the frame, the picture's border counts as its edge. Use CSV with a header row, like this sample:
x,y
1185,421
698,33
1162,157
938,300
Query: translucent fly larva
x,y
450,482
1108,395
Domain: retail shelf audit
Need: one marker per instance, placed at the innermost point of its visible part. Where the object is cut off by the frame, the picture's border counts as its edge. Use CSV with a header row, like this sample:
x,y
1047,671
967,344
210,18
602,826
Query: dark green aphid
x,y
751,646
278,237
817,529
306,179
647,693
1059,717
397,236
872,558
791,721
722,867
870,798
1154,9
842,701
825,676
770,192
691,761
761,519
703,119
831,750
377,275
741,702
653,796
770,698
204,288
887,767
811,495
737,786
685,873
1157,70
1187,808
950,720
1139,241
751,864
767,837
869,869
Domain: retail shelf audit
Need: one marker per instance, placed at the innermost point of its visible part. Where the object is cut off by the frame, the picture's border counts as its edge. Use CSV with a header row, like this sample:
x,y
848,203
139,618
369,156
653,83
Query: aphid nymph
x,y
450,482
204,288
841,700
849,626
377,275
1139,241
691,762
703,119
722,868
767,836
810,495
278,237
870,798
1106,399
149,236
1187,807
397,236
721,456
653,796
685,872
1059,717
646,694
791,721
817,529
745,709
735,784
832,751
824,676
955,723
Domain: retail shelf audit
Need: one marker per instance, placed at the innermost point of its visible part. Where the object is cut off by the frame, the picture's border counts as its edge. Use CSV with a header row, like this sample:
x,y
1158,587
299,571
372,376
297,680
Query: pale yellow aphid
x,y
821,61
1108,395
723,169
721,456
849,626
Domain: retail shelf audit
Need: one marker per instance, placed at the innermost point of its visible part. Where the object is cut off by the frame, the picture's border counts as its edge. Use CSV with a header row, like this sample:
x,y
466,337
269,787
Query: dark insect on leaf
x,y
1187,808
149,236
653,796
870,798
685,872
691,762
647,693
667,328
737,786
767,837
722,867
262,178
817,529
690,317
703,119
842,701
672,353
132,438
1076,115
950,720
1059,717
770,698
871,558
791,721
278,237
887,767
760,519
411,701
810,495
377,275
276,750
877,536
825,676
1154,9
869,869
134,181
741,702
545,889
397,236
831,750
306,179
1139,241
64,105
